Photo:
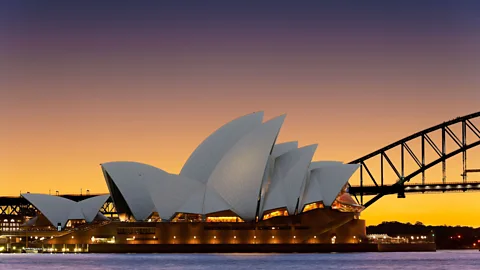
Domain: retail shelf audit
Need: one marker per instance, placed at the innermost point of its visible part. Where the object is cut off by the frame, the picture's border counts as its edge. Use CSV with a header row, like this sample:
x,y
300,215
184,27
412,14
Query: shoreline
x,y
229,248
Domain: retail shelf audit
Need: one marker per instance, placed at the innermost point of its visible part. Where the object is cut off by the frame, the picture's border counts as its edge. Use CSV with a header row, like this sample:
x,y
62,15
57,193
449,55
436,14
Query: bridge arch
x,y
378,189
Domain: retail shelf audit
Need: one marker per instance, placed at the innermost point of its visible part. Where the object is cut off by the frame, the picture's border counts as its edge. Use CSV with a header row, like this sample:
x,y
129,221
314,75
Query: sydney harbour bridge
x,y
399,168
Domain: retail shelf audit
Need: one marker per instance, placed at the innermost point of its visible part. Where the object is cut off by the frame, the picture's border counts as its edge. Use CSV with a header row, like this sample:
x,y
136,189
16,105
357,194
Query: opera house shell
x,y
238,176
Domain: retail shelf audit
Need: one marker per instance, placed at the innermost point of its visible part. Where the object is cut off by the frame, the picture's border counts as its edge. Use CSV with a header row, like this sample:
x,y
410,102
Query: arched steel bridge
x,y
455,131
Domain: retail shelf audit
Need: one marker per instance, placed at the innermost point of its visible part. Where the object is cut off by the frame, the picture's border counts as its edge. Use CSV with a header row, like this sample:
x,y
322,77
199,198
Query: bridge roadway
x,y
372,190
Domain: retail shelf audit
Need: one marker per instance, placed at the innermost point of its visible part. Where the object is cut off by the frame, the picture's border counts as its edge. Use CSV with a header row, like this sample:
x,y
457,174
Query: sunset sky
x,y
92,82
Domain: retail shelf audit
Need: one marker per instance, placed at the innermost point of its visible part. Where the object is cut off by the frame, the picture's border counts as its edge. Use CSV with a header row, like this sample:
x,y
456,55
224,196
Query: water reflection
x,y
464,260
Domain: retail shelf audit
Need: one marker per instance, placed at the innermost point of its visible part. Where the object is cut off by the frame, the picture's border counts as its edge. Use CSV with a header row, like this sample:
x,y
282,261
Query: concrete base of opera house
x,y
319,226
318,230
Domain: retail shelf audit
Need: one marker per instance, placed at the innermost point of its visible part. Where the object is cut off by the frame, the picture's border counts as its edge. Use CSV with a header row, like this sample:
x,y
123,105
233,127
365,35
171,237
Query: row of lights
x,y
64,250
49,249
419,237
215,237
195,237
36,237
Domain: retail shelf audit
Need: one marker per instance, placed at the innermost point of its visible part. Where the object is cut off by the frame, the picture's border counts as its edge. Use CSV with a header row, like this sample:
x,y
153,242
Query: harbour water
x,y
458,260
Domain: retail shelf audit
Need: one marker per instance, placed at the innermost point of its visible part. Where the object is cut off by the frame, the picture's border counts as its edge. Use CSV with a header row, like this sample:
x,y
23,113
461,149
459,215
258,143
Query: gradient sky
x,y
92,82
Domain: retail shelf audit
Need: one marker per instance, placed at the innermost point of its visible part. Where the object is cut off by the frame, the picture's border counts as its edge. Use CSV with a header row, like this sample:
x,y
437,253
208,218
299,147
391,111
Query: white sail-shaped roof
x,y
129,178
238,175
332,179
75,212
311,192
206,156
287,180
91,206
55,208
59,210
194,203
282,148
204,200
232,169
214,202
169,192
326,182
322,164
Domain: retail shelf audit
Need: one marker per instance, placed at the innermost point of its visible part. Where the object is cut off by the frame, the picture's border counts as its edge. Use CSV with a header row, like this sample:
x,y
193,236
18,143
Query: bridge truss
x,y
460,134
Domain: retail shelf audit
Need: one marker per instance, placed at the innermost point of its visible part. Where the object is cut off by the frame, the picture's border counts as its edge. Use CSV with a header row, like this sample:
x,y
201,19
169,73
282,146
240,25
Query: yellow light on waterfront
x,y
235,236
194,237
215,237
273,236
174,237
72,236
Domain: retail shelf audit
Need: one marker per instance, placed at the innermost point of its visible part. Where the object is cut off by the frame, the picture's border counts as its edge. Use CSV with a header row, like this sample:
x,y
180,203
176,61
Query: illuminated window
x,y
224,219
312,206
184,217
276,213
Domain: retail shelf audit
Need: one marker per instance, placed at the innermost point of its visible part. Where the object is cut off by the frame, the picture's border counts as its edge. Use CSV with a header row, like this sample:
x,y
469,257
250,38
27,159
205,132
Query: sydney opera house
x,y
239,186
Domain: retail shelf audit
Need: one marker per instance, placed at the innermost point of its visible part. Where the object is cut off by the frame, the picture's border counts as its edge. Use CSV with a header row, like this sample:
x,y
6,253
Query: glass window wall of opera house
x,y
239,186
